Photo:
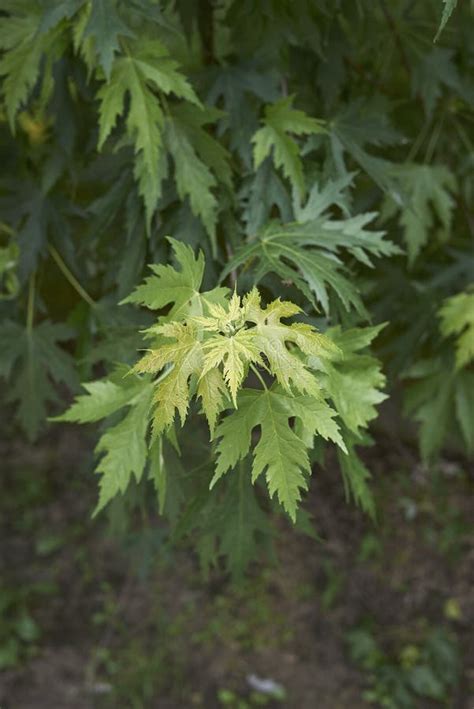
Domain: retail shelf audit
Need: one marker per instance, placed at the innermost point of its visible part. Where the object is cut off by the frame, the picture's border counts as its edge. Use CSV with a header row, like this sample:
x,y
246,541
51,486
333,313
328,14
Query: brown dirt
x,y
210,636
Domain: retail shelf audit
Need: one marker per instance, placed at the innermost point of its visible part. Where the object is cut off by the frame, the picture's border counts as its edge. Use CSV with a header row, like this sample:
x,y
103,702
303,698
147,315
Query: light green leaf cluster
x,y
221,346
214,347
457,319
281,121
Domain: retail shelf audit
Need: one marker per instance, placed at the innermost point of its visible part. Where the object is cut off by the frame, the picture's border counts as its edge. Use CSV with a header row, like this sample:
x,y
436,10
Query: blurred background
x,y
93,615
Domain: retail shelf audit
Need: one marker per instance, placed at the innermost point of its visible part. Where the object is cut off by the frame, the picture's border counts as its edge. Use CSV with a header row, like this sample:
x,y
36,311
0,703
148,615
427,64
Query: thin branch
x,y
71,278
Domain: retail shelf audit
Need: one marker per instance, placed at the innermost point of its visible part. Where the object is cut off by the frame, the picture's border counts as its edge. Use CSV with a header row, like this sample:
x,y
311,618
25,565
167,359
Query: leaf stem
x,y
259,376
31,303
70,277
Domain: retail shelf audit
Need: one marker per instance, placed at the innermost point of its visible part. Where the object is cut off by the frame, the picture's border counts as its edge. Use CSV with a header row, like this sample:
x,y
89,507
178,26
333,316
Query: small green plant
x,y
254,698
19,632
425,669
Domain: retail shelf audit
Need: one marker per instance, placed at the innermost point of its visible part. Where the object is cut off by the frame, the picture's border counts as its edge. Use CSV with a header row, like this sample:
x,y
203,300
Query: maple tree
x,y
299,176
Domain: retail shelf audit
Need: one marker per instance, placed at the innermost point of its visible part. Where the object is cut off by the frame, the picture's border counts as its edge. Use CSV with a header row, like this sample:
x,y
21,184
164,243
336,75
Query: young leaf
x,y
272,337
185,357
280,453
179,288
234,352
212,391
281,120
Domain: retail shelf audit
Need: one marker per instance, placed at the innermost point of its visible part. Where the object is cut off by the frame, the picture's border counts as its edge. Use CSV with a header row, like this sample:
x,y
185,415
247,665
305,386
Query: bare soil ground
x,y
125,625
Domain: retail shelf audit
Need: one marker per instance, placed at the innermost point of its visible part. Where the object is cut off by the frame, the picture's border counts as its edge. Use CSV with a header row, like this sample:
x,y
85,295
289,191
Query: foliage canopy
x,y
313,162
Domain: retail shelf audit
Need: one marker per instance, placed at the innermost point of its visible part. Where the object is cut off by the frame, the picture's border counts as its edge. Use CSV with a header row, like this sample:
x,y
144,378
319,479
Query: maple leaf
x,y
239,523
439,398
430,399
185,357
271,337
429,189
179,288
437,70
139,74
212,391
35,361
123,447
103,398
191,121
356,476
125,451
354,380
280,453
106,27
232,346
457,318
464,404
281,119
260,194
234,352
237,345
193,178
235,87
357,125
307,253
23,47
